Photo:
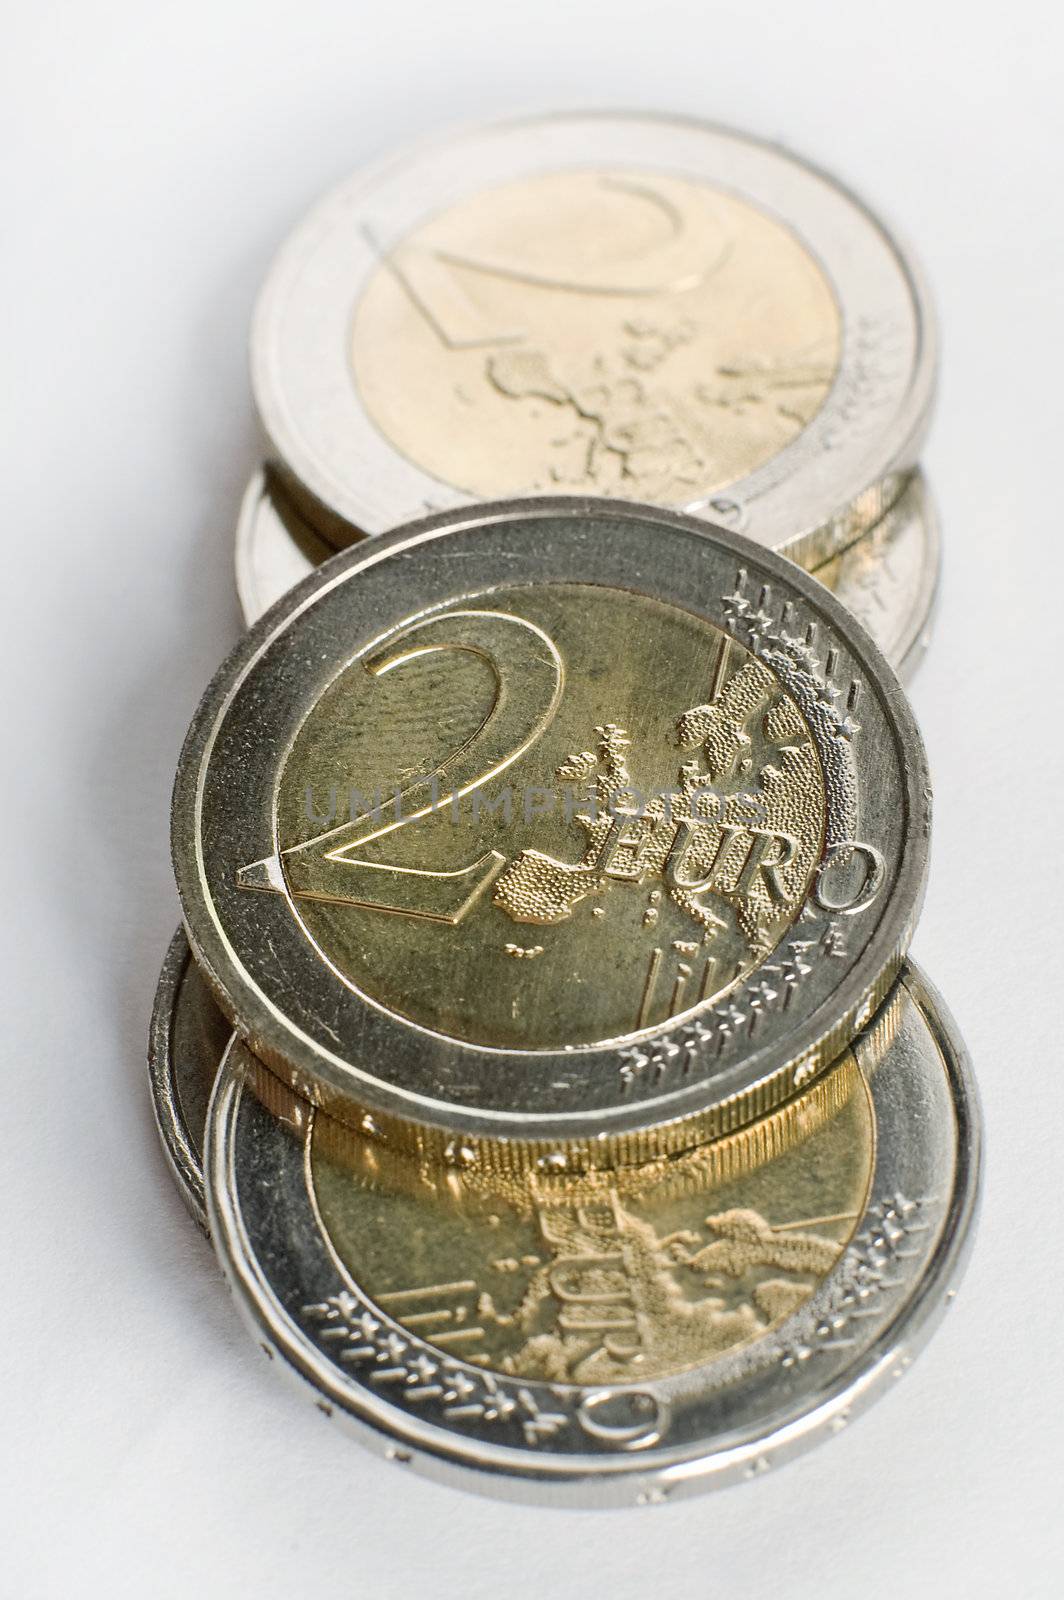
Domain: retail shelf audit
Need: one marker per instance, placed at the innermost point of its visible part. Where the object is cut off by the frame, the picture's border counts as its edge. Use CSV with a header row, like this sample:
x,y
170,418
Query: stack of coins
x,y
547,1065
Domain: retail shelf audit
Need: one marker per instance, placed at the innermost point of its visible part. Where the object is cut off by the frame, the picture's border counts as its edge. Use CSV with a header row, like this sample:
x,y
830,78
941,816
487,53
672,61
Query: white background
x,y
154,155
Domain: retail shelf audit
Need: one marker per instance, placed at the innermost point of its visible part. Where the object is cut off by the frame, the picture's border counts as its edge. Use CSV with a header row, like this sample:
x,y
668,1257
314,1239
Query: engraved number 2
x,y
528,685
691,247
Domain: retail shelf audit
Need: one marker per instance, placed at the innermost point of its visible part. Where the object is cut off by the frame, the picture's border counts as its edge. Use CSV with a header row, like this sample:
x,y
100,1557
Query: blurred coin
x,y
612,1338
507,831
887,578
276,547
605,304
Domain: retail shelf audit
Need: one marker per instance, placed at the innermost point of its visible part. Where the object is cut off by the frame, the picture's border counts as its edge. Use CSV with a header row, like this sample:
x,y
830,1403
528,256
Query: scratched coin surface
x,y
602,304
500,829
609,1338
888,577
548,955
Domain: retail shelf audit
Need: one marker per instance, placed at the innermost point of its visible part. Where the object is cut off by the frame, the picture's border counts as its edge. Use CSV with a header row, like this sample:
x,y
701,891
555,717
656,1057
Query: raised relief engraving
x,y
848,878
616,1300
602,1279
868,1274
794,660
597,332
624,429
629,1419
751,848
333,866
361,1339
694,839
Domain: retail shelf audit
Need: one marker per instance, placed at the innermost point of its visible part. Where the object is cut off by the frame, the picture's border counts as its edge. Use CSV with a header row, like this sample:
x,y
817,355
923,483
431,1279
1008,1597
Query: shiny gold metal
x,y
887,577
596,332
506,836
698,1320
610,1277
667,840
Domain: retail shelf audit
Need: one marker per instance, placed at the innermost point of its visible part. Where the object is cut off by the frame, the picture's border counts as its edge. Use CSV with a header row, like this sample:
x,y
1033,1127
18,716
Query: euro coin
x,y
567,829
611,1338
624,305
888,578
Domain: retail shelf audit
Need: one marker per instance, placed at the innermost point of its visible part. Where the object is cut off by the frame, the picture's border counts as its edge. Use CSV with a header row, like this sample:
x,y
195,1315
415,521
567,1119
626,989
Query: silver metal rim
x,y
747,1412
811,1041
870,428
177,1142
271,534
275,549
907,640
913,644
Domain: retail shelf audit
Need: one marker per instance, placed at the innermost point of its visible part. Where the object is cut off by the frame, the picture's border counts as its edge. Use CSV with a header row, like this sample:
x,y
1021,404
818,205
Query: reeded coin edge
x,y
266,494
503,1158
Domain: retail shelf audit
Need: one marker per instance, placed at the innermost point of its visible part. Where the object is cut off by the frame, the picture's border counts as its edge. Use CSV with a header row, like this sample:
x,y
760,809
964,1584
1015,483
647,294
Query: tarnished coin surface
x,y
604,304
566,824
888,578
609,1338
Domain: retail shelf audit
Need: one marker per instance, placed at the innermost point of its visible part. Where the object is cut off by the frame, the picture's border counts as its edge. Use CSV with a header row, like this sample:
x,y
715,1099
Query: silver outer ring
x,y
273,542
417,1089
178,1142
888,578
816,495
736,1418
275,547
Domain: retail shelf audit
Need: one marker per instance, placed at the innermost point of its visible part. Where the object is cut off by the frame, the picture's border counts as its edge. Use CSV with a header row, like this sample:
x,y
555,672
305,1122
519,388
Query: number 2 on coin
x,y
528,685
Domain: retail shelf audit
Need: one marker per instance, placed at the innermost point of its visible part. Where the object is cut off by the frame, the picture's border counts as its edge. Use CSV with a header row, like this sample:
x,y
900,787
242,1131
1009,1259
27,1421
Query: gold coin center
x,y
612,333
549,817
614,1277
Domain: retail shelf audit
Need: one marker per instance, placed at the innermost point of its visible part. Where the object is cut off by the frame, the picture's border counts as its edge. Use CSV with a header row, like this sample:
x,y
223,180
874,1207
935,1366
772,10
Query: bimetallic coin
x,y
621,305
617,1338
189,1036
887,578
579,827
